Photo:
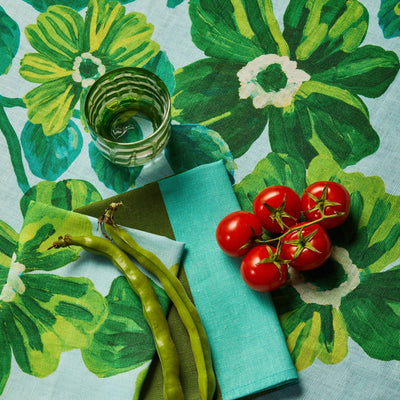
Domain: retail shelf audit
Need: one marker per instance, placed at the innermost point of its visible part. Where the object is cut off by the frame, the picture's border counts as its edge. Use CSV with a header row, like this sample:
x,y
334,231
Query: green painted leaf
x,y
5,359
62,26
370,236
327,121
372,314
174,3
368,71
8,243
117,178
315,331
162,67
51,315
317,30
192,145
68,194
124,39
42,226
235,30
50,156
275,169
389,18
51,104
207,93
124,341
9,41
42,5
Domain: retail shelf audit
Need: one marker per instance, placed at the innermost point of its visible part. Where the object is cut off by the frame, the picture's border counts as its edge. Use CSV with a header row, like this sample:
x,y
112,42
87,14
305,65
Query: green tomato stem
x,y
292,229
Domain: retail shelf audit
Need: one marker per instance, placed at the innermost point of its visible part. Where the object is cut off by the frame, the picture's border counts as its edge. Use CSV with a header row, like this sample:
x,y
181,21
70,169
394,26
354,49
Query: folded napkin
x,y
74,321
248,346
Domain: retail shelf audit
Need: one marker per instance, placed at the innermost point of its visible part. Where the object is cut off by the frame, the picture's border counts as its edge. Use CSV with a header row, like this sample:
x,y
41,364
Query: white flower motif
x,y
249,87
14,283
77,76
310,293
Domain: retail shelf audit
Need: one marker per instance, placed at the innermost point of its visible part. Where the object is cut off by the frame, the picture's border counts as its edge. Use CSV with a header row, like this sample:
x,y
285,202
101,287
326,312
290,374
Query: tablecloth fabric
x,y
323,105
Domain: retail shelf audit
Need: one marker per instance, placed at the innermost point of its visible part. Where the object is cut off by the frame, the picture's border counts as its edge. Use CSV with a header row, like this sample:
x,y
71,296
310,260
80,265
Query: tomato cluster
x,y
283,230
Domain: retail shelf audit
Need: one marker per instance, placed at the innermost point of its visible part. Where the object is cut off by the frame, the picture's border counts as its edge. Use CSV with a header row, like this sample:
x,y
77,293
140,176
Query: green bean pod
x,y
177,293
152,310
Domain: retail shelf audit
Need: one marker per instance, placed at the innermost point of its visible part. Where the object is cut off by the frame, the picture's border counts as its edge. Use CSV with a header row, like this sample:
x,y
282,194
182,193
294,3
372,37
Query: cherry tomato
x,y
236,232
277,207
326,198
307,247
262,270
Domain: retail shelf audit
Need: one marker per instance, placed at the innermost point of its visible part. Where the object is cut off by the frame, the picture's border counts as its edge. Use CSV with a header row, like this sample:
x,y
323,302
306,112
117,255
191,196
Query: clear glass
x,y
128,113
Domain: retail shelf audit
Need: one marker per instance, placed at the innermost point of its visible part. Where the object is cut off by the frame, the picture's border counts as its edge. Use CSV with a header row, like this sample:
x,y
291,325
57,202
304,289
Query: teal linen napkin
x,y
248,346
75,327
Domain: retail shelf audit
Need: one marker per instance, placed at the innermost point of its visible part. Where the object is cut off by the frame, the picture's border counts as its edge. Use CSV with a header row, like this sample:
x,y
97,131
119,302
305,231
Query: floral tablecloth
x,y
284,92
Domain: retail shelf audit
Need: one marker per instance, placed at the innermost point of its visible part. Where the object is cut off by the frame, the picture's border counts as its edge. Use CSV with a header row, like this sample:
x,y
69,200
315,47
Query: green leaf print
x,y
246,29
389,18
192,145
305,82
68,194
42,5
372,314
316,30
374,235
275,169
368,71
41,150
49,315
5,359
9,41
43,315
42,226
8,243
320,309
327,121
117,178
124,341
162,67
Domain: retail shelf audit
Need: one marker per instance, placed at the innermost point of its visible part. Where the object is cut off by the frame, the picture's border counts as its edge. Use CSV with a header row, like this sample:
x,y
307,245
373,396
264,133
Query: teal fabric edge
x,y
249,349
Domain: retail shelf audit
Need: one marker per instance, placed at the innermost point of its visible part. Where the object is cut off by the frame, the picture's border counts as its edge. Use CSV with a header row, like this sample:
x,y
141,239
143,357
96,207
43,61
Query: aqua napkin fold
x,y
75,327
248,346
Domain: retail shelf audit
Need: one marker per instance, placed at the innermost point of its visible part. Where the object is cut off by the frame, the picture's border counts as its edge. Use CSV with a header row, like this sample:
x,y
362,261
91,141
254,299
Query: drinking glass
x,y
128,113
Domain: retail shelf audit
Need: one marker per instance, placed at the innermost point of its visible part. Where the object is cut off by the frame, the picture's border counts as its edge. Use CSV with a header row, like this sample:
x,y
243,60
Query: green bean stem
x,y
152,310
176,292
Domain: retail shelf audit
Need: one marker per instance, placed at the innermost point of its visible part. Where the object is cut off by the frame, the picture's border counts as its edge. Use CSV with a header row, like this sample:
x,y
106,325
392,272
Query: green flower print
x,y
41,314
354,294
72,52
305,83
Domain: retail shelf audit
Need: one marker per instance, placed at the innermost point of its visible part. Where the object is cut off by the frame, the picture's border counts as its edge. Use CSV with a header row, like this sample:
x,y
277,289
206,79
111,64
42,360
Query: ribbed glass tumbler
x,y
114,107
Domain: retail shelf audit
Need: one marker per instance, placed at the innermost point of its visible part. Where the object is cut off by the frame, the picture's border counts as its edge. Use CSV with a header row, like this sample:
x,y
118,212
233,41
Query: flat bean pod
x,y
177,293
152,310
